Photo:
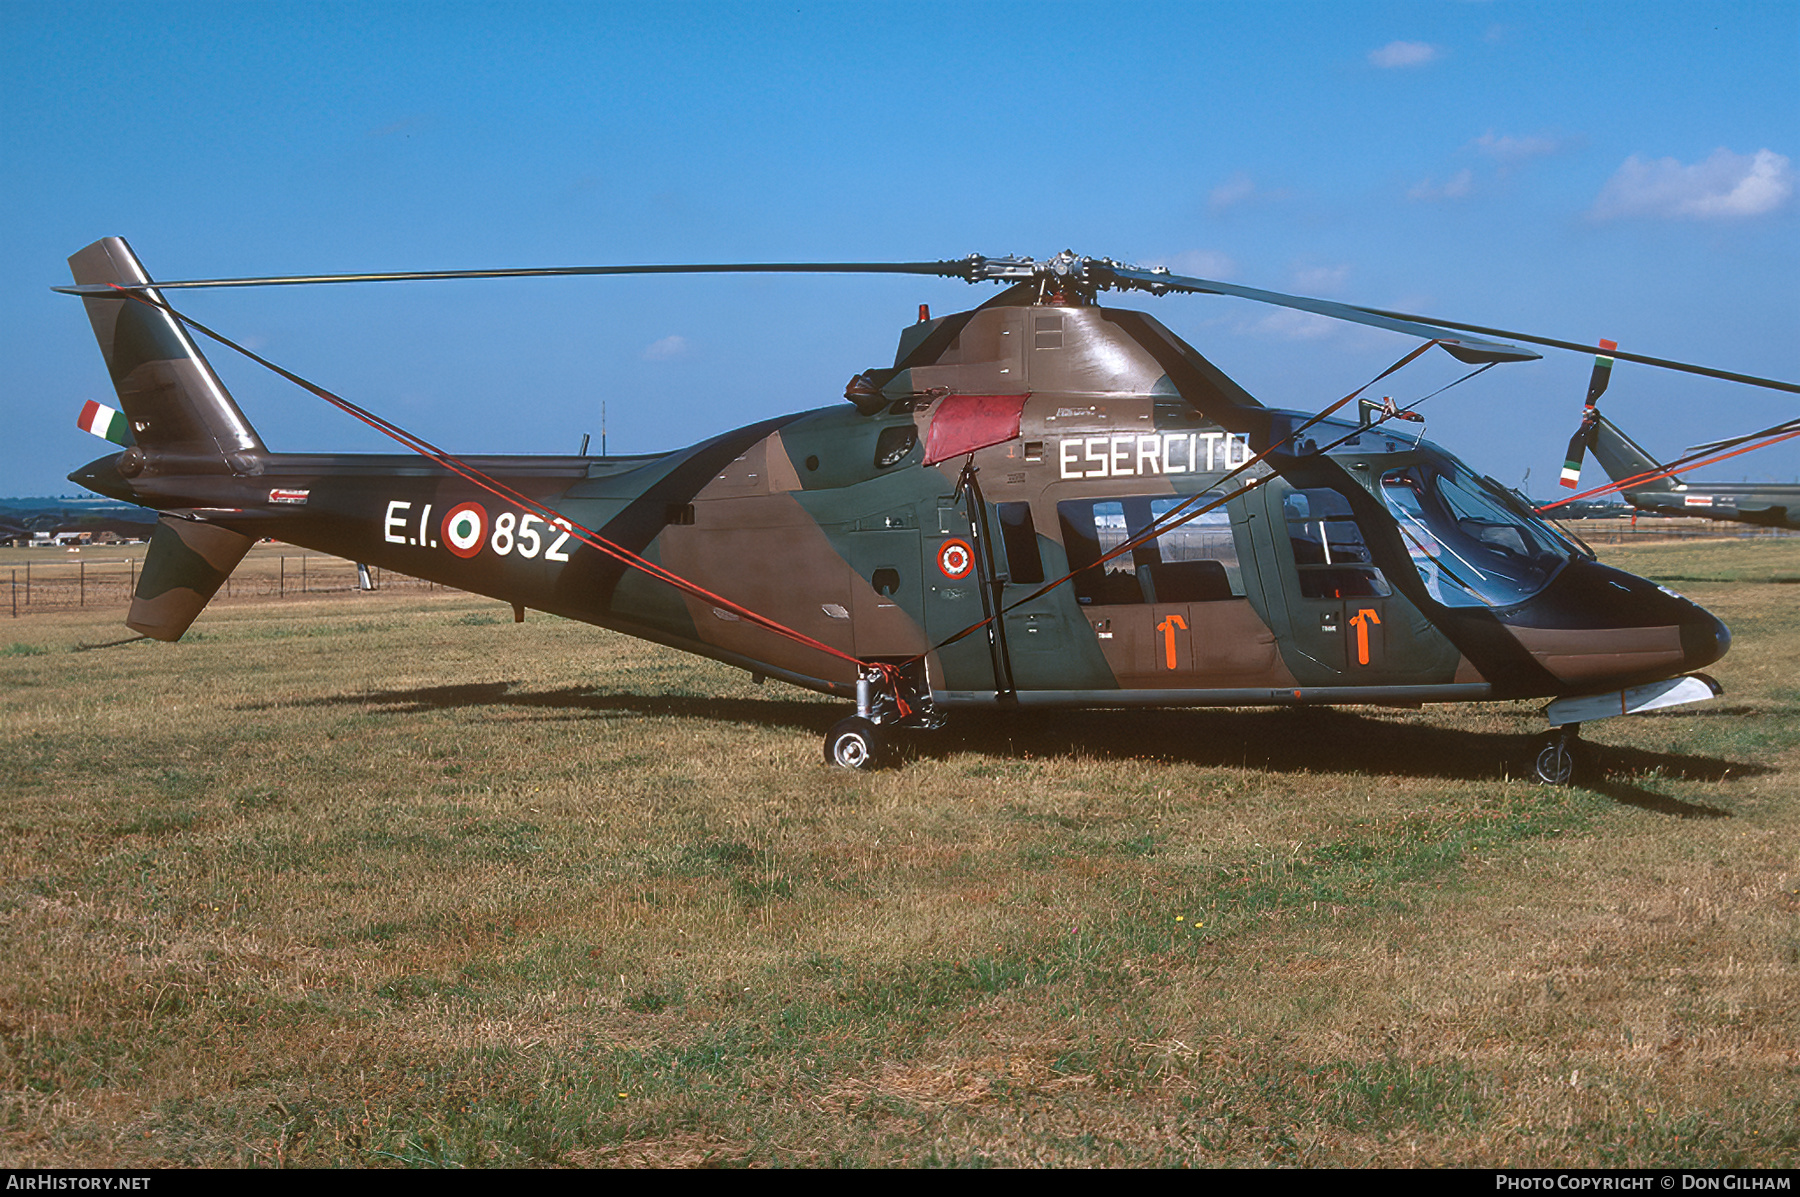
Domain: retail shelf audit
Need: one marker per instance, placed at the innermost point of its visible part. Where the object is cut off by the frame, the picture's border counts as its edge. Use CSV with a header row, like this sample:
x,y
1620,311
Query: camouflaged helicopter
x,y
1043,502
1657,489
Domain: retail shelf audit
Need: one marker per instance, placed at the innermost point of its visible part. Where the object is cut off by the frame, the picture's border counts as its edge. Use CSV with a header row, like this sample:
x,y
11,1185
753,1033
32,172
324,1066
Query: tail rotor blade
x,y
1603,364
1571,471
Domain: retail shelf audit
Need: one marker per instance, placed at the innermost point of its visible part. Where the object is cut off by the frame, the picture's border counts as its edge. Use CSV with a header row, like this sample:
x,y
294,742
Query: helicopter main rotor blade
x,y
1732,442
1463,348
1064,269
1773,384
949,269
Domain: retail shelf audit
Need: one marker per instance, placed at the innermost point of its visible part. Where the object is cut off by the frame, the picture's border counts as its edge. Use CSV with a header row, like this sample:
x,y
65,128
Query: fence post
x,y
81,583
28,583
15,592
131,577
281,586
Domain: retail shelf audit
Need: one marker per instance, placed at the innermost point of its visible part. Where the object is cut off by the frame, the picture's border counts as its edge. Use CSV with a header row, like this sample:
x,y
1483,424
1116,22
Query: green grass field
x,y
389,880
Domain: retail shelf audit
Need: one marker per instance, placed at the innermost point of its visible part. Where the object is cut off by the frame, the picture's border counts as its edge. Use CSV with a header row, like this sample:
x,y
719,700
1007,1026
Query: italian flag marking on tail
x,y
1571,474
104,421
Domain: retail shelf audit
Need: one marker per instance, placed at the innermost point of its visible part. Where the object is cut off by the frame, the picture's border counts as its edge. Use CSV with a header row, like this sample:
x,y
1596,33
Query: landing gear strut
x,y
865,740
1556,760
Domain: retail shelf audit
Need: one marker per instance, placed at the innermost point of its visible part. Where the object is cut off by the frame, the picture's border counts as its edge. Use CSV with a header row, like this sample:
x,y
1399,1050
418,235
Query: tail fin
x,y
1623,458
176,405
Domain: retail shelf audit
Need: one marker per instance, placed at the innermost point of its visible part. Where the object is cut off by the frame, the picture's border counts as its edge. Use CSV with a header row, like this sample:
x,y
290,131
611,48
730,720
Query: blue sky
x,y
1577,170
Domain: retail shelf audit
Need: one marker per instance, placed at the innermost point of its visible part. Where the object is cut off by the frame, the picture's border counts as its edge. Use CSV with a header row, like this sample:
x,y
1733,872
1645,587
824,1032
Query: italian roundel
x,y
465,527
956,559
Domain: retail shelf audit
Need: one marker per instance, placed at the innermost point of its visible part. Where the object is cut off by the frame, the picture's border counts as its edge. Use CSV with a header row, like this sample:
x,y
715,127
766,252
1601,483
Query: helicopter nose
x,y
1704,637
1596,627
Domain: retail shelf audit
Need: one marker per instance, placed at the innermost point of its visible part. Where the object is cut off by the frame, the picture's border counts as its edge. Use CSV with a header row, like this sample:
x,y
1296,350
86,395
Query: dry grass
x,y
390,880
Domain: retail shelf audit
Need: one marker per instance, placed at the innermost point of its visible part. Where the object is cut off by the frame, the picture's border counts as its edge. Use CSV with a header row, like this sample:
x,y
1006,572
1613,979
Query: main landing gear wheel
x,y
855,743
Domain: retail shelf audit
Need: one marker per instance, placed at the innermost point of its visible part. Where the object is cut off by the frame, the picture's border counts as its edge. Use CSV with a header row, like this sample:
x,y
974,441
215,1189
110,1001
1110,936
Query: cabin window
x,y
1205,537
1329,550
1195,562
1023,561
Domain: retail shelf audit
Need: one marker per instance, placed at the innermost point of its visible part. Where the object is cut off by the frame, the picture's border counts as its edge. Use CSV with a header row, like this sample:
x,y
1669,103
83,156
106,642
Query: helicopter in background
x,y
1044,502
1655,489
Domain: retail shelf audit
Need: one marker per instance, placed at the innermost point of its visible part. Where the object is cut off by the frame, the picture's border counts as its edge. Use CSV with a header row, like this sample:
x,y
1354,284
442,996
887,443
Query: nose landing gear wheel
x,y
1555,764
1556,759
855,743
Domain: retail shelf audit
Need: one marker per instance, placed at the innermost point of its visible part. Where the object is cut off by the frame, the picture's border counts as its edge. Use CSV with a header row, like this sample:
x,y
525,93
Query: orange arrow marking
x,y
1362,619
1167,628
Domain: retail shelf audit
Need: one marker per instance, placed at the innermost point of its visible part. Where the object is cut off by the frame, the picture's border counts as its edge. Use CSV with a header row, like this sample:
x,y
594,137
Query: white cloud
x,y
1291,324
1320,280
1204,263
1507,148
1726,186
669,347
403,127
1236,190
1403,54
1458,186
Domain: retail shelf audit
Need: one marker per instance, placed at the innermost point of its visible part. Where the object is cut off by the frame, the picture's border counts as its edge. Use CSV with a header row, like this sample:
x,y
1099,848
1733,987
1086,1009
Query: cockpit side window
x,y
1469,546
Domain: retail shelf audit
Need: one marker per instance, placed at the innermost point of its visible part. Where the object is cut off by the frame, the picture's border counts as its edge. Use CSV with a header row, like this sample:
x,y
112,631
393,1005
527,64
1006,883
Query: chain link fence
x,y
97,580
1633,531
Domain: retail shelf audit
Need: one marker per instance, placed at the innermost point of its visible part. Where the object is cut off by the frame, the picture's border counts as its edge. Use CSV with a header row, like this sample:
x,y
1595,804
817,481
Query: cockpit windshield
x,y
1471,546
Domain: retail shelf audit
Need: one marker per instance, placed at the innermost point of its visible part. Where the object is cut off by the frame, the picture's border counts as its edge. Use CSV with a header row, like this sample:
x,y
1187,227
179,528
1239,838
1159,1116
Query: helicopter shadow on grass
x,y
1325,740
1313,740
578,701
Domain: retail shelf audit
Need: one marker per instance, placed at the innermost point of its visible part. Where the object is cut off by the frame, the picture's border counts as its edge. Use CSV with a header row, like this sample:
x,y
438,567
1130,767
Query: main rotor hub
x,y
1076,279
